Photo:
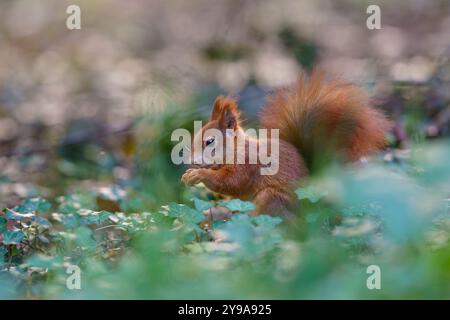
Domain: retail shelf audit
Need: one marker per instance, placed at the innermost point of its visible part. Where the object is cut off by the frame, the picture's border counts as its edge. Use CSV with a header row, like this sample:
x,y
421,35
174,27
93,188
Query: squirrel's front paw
x,y
192,176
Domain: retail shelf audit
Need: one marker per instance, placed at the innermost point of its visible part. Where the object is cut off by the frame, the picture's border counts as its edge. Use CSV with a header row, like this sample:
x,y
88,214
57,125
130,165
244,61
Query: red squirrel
x,y
316,118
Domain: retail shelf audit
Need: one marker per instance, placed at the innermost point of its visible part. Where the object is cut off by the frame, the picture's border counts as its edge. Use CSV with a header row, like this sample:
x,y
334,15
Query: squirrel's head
x,y
224,121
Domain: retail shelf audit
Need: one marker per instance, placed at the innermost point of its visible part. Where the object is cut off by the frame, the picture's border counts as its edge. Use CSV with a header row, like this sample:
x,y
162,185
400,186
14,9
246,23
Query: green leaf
x,y
238,205
3,223
13,237
69,220
13,215
310,193
84,238
238,229
44,262
42,222
3,251
201,205
33,205
96,217
184,213
266,220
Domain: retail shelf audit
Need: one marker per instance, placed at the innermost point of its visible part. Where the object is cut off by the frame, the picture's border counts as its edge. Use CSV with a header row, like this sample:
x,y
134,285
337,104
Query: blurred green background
x,y
85,123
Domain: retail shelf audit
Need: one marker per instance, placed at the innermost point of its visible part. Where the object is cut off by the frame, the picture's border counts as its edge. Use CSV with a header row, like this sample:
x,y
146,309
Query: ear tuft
x,y
225,110
217,108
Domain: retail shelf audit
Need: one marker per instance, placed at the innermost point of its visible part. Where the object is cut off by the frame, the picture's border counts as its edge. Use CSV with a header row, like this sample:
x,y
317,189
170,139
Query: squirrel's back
x,y
325,118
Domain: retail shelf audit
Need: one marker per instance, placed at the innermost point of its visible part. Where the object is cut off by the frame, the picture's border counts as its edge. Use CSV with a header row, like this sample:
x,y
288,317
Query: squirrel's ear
x,y
229,116
217,108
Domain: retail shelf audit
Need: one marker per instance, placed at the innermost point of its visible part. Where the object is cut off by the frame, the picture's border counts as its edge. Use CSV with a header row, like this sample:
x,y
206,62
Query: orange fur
x,y
316,118
326,117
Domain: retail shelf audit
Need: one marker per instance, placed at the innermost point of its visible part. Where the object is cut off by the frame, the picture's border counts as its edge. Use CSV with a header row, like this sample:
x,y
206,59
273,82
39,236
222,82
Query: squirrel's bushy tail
x,y
324,118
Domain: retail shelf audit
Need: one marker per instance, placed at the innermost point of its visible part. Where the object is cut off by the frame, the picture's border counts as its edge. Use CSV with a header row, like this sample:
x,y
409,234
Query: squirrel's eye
x,y
209,141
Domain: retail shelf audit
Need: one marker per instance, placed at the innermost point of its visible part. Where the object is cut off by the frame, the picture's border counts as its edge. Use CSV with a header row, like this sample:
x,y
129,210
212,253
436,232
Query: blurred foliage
x,y
353,218
85,171
304,51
